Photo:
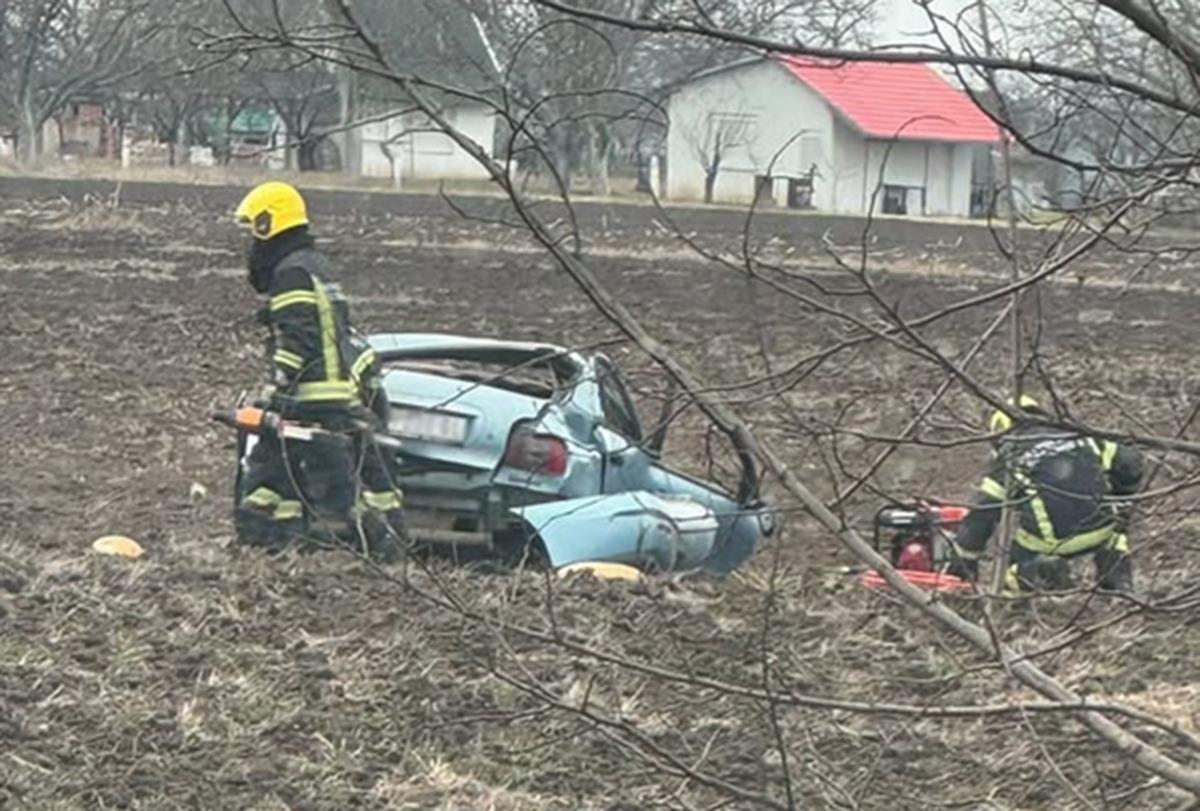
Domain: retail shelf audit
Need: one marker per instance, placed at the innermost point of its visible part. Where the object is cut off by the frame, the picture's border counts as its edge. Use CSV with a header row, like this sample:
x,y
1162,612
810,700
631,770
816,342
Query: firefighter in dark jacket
x,y
322,372
1063,485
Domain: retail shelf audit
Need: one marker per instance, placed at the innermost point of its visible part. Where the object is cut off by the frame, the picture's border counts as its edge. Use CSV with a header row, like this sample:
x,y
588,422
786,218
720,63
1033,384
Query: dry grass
x,y
200,677
311,683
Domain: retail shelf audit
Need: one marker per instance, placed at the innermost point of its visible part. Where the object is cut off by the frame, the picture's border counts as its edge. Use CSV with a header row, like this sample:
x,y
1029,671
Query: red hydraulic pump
x,y
916,539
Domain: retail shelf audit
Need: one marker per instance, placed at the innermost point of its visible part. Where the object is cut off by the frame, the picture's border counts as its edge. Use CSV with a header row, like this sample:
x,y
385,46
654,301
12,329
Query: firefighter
x,y
1062,483
321,372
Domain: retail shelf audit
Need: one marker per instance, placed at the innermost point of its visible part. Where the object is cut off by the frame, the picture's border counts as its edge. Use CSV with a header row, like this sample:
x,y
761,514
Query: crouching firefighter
x,y
321,373
1062,483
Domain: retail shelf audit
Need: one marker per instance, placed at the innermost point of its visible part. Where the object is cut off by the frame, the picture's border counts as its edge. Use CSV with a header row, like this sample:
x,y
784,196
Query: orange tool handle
x,y
249,419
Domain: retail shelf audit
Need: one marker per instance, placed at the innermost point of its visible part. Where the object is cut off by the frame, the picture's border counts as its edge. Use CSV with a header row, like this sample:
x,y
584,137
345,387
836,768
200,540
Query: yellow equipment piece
x,y
1001,422
118,545
602,571
272,208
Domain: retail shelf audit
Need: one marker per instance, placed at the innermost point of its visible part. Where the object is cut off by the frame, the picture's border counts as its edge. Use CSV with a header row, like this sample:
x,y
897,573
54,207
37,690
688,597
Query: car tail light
x,y
536,453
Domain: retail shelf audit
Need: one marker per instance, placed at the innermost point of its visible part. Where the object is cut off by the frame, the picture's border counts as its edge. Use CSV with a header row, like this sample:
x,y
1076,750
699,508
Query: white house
x,y
440,40
834,136
406,147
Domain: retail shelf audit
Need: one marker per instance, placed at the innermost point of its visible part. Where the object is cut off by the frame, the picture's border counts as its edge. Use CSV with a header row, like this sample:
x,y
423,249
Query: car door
x,y
626,463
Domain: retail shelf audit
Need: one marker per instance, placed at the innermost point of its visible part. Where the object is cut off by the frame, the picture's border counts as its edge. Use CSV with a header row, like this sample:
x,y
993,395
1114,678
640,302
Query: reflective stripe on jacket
x,y
1061,482
309,332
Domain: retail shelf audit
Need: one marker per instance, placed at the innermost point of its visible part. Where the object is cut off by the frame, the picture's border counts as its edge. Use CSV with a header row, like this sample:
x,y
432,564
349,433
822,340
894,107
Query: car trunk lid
x,y
453,424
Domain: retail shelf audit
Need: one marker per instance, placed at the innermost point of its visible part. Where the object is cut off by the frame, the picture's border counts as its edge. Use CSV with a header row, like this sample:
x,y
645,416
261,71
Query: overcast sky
x,y
900,19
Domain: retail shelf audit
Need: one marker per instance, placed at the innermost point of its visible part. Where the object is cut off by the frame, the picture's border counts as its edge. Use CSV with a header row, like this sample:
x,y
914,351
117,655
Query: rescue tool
x,y
260,422
916,539
263,423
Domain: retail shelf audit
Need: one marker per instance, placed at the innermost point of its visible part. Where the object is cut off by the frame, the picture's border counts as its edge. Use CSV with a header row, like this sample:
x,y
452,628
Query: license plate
x,y
433,426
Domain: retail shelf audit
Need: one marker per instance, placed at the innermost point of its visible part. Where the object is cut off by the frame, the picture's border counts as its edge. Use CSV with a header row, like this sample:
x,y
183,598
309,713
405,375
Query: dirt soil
x,y
208,677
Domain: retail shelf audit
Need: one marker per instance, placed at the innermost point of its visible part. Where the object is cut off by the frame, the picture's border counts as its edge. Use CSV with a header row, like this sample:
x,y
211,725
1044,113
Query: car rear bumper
x,y
468,518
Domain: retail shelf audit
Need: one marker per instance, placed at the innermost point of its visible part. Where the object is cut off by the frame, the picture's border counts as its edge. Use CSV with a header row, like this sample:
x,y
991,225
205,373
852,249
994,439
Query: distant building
x,y
329,119
846,137
406,145
81,130
316,116
441,42
256,136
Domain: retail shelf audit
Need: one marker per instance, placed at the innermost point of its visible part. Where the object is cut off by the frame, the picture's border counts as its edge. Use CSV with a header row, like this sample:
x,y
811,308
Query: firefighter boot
x,y
254,528
1042,573
1114,570
964,568
382,542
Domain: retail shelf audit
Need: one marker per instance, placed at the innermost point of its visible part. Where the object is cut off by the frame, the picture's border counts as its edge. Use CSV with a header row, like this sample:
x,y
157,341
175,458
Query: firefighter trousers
x,y
1030,570
321,489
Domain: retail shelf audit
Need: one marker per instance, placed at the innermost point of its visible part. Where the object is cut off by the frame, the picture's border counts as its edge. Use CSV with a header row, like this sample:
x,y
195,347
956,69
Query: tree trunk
x,y
182,153
351,140
306,154
597,155
559,147
710,178
231,112
393,152
29,139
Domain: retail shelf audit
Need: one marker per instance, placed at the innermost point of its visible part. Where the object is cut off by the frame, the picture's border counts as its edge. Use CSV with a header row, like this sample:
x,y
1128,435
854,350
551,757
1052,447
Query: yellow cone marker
x,y
604,571
118,545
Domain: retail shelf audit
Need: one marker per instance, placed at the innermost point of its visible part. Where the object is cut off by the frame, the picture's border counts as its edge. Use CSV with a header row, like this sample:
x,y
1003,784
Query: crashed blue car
x,y
504,445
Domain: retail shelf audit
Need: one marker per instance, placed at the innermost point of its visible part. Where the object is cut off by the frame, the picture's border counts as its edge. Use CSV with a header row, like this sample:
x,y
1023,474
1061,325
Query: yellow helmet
x,y
1001,422
272,208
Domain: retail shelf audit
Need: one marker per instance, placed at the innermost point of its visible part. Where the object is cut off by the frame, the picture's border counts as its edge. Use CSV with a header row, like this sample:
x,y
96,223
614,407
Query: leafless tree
x,y
847,301
586,89
714,141
177,89
55,51
304,96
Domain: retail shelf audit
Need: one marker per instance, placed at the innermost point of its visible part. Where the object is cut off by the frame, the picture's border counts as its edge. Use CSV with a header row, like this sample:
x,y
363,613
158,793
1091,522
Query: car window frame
x,y
609,380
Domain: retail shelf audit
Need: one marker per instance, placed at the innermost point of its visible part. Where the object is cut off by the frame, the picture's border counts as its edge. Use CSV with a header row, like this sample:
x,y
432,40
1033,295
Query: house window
x,y
728,139
903,200
895,200
800,192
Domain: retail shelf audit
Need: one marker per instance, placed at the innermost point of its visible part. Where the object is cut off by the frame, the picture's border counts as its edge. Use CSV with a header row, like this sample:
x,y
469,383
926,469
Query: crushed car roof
x,y
395,346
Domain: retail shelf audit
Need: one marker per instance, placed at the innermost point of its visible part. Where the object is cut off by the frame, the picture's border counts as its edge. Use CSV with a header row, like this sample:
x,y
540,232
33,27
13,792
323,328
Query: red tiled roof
x,y
908,100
